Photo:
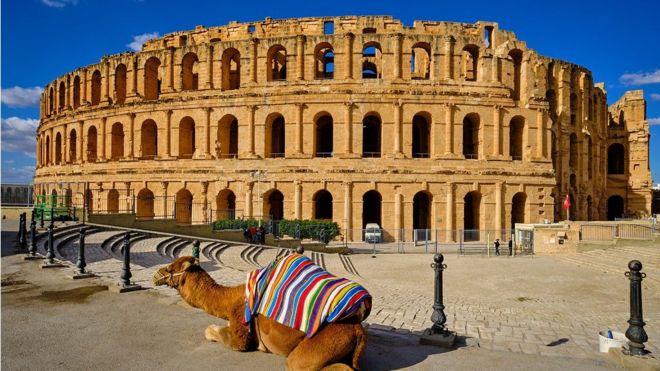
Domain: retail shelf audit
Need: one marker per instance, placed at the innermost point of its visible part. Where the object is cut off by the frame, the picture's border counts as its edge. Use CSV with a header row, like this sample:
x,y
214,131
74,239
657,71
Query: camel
x,y
335,346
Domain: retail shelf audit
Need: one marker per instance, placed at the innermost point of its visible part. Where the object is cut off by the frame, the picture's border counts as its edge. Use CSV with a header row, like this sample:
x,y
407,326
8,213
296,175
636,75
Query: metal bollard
x,y
636,334
126,270
81,264
195,250
41,219
21,231
24,234
438,333
33,238
50,251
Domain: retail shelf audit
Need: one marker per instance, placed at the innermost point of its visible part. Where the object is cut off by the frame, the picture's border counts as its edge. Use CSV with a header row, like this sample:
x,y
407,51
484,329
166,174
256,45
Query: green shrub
x,y
219,225
321,230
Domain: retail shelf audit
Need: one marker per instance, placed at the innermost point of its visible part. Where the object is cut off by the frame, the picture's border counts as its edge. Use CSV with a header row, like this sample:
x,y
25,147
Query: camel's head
x,y
172,274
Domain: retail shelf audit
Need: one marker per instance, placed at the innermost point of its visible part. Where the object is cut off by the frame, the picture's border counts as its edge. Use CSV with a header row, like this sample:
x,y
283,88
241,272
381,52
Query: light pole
x,y
258,174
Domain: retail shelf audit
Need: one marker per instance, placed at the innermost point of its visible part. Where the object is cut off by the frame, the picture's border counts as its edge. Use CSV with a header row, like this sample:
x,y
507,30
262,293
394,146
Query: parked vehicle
x,y
373,233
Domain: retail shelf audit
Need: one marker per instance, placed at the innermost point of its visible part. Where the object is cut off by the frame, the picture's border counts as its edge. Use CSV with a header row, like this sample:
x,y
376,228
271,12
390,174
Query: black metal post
x,y
126,270
195,250
24,234
50,253
21,231
33,238
81,264
636,334
52,216
438,317
41,218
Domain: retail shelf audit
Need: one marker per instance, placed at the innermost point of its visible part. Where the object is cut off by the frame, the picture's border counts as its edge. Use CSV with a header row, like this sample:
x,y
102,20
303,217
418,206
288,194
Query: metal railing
x,y
276,155
421,155
324,154
371,154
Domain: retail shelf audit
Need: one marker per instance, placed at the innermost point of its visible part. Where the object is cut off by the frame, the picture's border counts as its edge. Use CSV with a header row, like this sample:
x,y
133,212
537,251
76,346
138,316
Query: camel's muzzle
x,y
164,278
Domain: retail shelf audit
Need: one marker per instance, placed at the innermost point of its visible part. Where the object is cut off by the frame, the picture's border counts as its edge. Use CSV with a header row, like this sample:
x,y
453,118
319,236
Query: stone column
x,y
251,118
398,108
348,128
52,147
68,104
450,212
131,136
495,61
85,101
435,59
348,44
168,135
498,205
248,200
79,142
449,53
166,207
297,199
497,130
103,140
396,38
540,131
207,133
449,129
134,77
397,213
65,147
170,70
106,85
254,42
205,192
209,67
300,57
300,107
348,208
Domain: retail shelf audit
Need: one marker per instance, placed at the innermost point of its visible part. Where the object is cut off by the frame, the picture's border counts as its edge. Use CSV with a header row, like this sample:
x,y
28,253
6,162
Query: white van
x,y
373,233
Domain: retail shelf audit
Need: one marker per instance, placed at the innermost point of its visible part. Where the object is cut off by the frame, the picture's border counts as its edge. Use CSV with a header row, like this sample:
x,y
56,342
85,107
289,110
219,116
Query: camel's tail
x,y
360,344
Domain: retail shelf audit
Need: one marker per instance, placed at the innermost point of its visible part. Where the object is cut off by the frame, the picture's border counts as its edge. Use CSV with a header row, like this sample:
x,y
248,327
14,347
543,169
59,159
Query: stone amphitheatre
x,y
440,125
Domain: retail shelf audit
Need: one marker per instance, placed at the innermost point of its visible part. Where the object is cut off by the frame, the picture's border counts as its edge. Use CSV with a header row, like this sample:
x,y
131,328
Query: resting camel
x,y
334,346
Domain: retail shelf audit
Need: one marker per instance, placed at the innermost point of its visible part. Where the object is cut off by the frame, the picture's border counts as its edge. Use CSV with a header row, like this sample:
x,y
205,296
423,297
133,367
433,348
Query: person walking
x,y
510,247
497,247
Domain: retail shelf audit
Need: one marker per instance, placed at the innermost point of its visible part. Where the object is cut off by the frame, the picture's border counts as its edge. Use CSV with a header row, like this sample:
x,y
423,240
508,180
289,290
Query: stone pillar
x,y
297,199
497,131
397,213
450,212
251,119
299,128
540,133
435,60
207,133
85,101
65,147
68,104
166,207
103,138
52,147
449,55
168,135
209,67
170,70
134,77
495,61
449,129
106,85
396,39
398,108
348,128
348,44
248,200
254,43
131,136
300,57
79,142
348,208
205,208
498,205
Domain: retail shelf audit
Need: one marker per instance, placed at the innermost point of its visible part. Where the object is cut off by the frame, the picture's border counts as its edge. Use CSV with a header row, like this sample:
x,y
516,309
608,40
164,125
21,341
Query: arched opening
x,y
117,141
76,92
371,208
58,149
276,63
227,139
322,205
420,61
615,207
189,73
590,208
470,60
61,101
551,97
555,152
323,136
225,203
113,201
148,140
516,130
91,144
186,137
573,152
371,136
573,208
421,136
471,205
274,205
231,69
275,136
73,140
422,210
47,150
590,154
518,209
573,180
573,108
183,206
471,136
152,79
96,88
371,61
145,204
616,159
324,61
622,120
516,56
120,83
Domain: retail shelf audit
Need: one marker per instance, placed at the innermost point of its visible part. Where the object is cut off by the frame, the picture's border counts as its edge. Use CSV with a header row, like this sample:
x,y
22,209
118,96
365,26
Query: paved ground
x,y
522,312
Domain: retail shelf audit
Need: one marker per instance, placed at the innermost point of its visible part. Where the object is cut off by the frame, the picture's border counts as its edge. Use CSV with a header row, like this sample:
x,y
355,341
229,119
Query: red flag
x,y
567,202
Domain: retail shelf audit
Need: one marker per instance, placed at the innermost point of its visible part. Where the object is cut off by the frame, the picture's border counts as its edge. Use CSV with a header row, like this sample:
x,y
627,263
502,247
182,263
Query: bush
x,y
321,230
219,225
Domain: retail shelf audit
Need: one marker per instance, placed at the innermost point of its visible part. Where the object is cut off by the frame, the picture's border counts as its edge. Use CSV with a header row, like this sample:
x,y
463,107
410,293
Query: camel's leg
x,y
231,337
334,343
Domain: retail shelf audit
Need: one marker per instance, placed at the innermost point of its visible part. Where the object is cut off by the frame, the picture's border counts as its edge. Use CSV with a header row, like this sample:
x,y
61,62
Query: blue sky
x,y
42,39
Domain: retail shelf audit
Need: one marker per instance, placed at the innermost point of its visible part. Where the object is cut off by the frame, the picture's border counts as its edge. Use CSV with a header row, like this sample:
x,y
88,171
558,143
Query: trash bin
x,y
619,339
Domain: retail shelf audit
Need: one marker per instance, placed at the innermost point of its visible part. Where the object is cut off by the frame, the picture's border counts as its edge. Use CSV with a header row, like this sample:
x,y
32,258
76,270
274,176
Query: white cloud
x,y
640,78
655,96
19,175
8,161
59,3
138,40
21,97
654,121
18,135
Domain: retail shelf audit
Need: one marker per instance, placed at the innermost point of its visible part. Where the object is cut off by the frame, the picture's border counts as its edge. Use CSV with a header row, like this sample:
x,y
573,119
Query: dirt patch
x,y
77,295
7,283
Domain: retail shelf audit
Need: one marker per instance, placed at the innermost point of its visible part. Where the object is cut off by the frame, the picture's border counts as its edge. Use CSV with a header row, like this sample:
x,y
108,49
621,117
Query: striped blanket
x,y
297,293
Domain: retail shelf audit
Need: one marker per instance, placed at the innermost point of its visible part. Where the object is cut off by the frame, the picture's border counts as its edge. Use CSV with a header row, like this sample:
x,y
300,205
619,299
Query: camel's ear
x,y
188,264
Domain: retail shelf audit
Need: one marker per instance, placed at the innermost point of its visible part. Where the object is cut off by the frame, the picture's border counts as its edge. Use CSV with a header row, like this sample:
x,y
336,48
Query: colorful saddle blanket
x,y
297,293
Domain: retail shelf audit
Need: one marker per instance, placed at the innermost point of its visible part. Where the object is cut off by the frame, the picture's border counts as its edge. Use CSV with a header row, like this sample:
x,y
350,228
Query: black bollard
x,y
124,284
21,221
41,218
636,334
33,238
50,251
195,250
300,250
438,333
52,216
81,264
24,233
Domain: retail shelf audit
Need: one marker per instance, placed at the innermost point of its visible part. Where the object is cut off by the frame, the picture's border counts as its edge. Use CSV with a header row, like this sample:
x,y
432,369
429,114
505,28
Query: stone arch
x,y
152,80
275,140
58,149
73,140
231,69
189,72
615,207
183,206
186,137
225,203
322,205
117,141
371,135
471,215
470,59
516,131
274,204
96,88
324,61
112,206
372,57
76,92
145,204
323,135
420,61
616,158
422,202
573,151
518,207
148,140
421,135
276,63
516,56
227,137
91,144
371,208
471,123
61,99
120,83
